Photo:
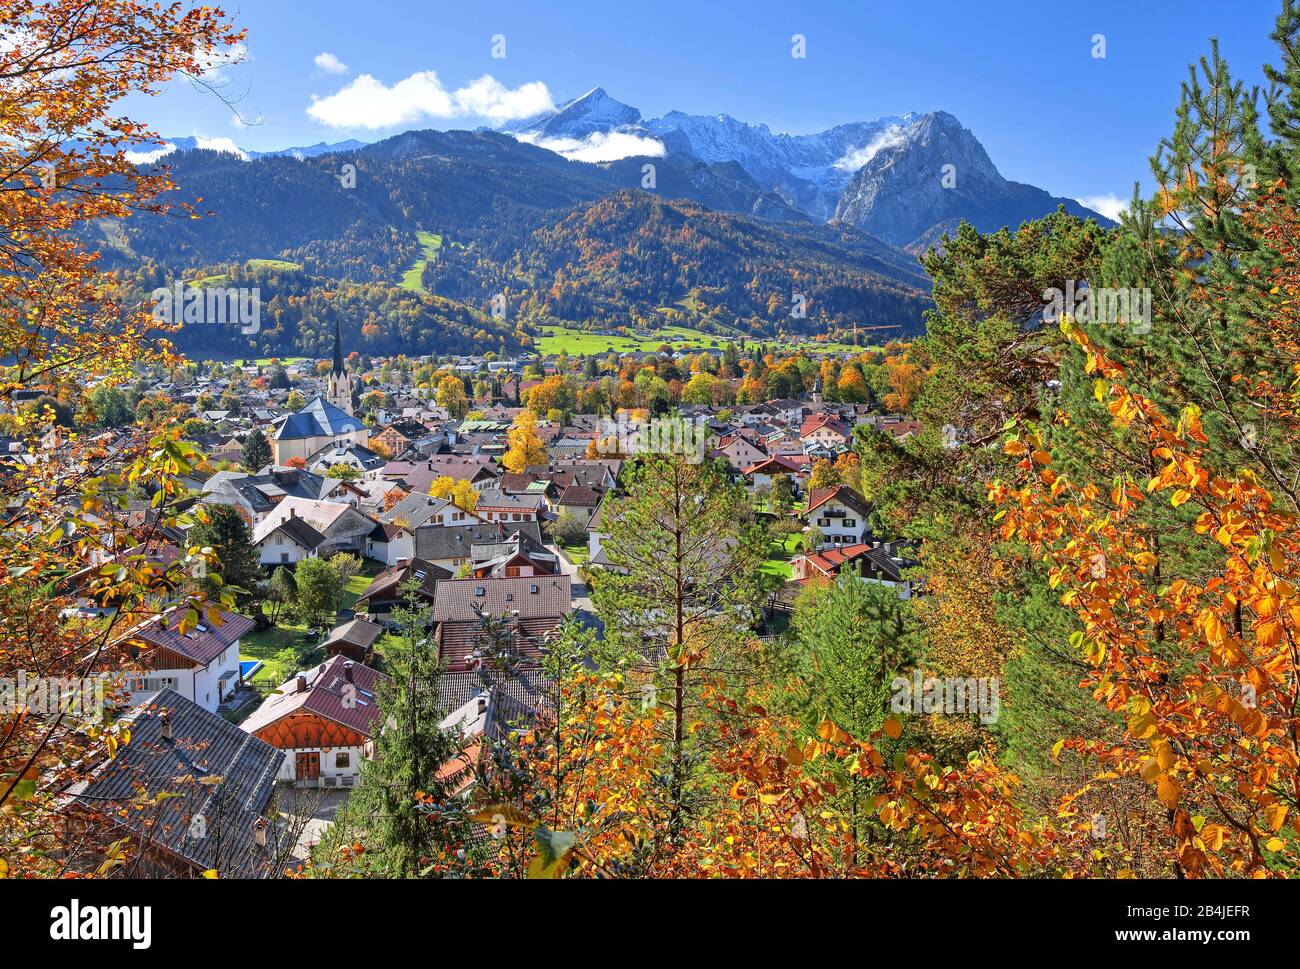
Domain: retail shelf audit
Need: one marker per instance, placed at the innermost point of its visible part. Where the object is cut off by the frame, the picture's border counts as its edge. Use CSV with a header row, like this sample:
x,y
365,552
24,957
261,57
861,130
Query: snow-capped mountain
x,y
809,171
593,113
145,154
924,178
819,174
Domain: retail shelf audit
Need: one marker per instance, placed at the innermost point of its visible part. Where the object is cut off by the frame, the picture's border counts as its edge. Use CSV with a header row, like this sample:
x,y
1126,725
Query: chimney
x,y
259,832
347,671
165,724
301,683
482,703
293,512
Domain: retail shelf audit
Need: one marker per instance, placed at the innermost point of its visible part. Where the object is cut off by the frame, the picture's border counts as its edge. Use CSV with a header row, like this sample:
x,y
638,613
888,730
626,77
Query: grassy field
x,y
360,582
271,264
266,644
577,554
249,264
581,343
577,342
780,553
411,278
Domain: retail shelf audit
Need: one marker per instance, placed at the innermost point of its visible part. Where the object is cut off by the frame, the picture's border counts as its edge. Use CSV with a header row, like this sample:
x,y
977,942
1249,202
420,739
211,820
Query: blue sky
x,y
1020,74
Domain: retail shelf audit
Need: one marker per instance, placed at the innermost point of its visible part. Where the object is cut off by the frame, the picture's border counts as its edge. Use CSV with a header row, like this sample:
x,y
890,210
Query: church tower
x,y
338,389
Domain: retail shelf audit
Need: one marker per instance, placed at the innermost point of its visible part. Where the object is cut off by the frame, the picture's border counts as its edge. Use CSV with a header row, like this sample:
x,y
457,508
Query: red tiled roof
x,y
818,421
829,561
329,695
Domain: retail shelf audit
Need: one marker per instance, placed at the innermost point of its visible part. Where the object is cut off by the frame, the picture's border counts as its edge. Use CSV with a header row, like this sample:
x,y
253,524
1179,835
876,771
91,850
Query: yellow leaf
x,y
503,814
893,728
1275,816
211,873
1180,497
1168,791
554,851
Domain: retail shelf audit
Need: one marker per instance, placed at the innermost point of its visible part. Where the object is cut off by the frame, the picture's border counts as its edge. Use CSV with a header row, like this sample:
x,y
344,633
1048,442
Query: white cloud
x,y
149,157
599,146
330,64
369,103
1107,204
224,145
489,98
891,137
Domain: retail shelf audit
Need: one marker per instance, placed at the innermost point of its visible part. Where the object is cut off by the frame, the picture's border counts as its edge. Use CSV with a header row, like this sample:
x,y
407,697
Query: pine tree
x,y
851,639
256,452
402,806
683,587
231,540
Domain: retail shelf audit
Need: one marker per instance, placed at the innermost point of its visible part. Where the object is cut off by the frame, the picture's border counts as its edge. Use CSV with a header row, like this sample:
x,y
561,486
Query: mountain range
x,y
885,176
588,215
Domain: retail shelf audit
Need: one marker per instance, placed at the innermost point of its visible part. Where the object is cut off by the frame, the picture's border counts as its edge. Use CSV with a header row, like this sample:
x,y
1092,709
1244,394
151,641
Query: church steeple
x,y
338,387
338,348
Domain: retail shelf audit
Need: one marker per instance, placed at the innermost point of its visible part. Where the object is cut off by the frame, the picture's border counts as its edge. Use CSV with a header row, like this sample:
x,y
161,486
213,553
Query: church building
x,y
326,420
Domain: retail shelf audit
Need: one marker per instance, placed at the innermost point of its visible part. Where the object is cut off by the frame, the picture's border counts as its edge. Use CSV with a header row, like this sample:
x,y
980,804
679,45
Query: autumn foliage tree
x,y
65,66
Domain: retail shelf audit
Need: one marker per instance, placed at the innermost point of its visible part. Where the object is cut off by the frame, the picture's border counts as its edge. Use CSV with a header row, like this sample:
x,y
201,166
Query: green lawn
x,y
581,343
577,554
556,338
249,264
360,582
271,264
266,644
780,553
411,278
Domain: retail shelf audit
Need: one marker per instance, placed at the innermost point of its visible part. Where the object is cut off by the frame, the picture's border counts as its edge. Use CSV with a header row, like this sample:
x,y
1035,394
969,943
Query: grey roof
x,y
222,775
261,491
502,500
519,696
516,543
355,632
434,542
300,530
536,596
354,454
415,509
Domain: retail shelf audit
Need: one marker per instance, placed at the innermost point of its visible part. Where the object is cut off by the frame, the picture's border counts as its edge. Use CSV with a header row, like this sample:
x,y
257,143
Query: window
x,y
850,523
342,760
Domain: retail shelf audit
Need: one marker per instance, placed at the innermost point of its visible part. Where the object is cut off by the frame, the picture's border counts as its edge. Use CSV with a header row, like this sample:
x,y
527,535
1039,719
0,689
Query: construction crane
x,y
883,326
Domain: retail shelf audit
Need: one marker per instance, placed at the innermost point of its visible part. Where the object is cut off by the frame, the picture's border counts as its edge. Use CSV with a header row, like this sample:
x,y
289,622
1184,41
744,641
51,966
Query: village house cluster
x,y
338,479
